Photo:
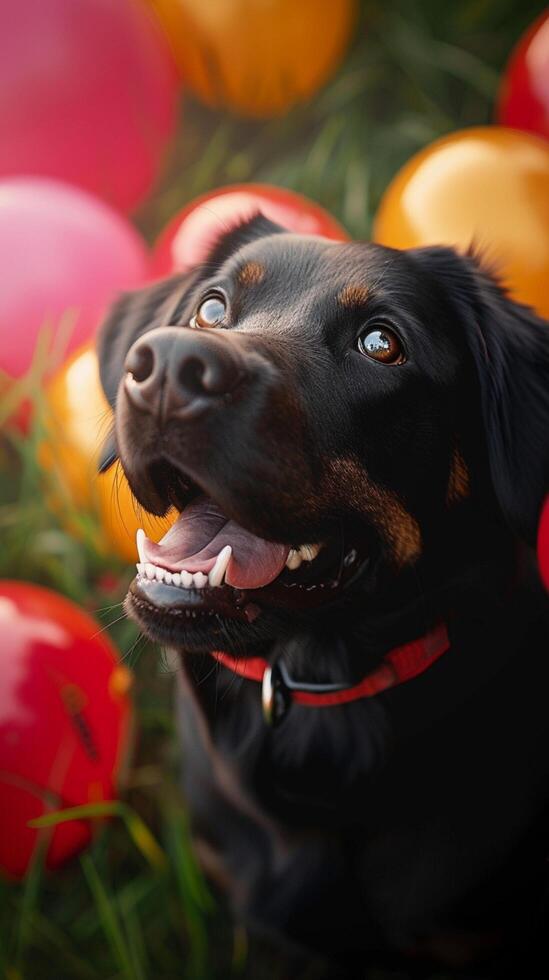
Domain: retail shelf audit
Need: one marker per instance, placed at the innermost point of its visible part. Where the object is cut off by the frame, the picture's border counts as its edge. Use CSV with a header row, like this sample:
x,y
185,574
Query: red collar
x,y
279,690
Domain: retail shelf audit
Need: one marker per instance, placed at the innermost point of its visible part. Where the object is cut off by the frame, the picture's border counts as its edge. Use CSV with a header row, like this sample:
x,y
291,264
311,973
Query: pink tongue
x,y
198,535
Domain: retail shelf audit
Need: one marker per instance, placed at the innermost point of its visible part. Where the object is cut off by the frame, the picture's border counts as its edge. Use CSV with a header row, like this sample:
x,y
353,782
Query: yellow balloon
x,y
487,187
78,419
256,57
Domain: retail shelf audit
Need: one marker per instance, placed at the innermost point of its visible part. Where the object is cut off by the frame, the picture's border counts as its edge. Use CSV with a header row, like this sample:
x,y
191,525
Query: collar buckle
x,y
275,696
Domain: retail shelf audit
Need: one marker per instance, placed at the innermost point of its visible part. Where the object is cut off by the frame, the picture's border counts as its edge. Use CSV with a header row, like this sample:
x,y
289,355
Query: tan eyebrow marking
x,y
458,482
251,273
353,295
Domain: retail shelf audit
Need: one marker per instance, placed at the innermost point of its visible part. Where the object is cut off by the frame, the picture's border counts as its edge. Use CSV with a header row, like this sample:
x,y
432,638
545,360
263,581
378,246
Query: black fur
x,y
410,828
510,347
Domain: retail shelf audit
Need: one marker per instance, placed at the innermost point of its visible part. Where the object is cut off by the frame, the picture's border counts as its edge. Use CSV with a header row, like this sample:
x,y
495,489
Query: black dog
x,y
358,442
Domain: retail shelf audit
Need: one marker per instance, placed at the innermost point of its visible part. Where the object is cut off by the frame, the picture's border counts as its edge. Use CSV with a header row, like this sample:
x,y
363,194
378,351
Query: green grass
x,y
134,905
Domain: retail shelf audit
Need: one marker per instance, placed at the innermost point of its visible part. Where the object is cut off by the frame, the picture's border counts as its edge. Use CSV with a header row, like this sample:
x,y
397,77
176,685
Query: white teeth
x,y
293,560
140,539
184,579
217,574
216,577
309,551
306,552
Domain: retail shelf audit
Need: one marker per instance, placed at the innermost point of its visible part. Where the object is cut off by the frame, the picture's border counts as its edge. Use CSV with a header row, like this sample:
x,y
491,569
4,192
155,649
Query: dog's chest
x,y
309,842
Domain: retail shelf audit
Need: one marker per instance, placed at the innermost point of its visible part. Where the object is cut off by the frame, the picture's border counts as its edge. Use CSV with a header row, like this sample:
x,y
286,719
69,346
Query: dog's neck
x,y
342,644
487,612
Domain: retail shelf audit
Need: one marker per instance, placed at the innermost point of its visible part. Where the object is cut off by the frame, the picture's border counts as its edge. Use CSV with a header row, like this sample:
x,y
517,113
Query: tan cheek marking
x,y
458,482
353,295
251,273
396,526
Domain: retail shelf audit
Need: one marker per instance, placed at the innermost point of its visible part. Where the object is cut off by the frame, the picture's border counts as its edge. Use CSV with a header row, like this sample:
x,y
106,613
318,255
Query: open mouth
x,y
207,565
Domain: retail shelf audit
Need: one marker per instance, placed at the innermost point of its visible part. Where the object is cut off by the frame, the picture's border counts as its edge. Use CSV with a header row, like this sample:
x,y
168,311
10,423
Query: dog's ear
x,y
510,349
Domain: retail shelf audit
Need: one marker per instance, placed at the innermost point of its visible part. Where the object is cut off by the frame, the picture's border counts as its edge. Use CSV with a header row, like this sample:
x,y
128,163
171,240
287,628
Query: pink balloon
x,y
65,253
88,94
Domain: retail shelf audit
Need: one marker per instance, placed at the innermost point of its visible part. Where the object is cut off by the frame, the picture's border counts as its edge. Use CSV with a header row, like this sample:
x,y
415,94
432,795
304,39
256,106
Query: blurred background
x,y
131,134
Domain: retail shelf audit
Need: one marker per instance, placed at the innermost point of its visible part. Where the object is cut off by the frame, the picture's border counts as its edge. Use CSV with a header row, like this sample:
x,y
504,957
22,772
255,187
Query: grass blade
x,y
108,917
137,829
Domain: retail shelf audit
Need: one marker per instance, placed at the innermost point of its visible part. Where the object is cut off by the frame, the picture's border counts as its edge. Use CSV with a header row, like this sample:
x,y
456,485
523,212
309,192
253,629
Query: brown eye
x,y
381,345
210,313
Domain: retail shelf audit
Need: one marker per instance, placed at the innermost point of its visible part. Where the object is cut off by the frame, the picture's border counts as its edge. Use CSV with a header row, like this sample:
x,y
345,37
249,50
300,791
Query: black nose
x,y
177,372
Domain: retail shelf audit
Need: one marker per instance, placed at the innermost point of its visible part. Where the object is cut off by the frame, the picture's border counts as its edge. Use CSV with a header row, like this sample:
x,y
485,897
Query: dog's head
x,y
321,415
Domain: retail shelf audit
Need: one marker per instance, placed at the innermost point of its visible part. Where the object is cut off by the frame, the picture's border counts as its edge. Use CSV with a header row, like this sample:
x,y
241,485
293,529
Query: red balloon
x,y
187,239
64,720
543,545
88,94
524,93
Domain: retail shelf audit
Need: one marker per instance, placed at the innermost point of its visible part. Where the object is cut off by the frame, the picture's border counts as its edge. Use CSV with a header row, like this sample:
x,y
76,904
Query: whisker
x,y
108,626
106,609
133,647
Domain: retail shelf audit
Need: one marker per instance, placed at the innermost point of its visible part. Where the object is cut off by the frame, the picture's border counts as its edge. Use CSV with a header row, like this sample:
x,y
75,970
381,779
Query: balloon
x,y
77,422
64,720
256,58
186,240
87,94
64,255
524,94
487,187
543,545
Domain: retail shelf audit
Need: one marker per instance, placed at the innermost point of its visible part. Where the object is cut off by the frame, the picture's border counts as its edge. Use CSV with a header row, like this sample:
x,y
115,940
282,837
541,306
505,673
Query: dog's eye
x,y
382,345
210,313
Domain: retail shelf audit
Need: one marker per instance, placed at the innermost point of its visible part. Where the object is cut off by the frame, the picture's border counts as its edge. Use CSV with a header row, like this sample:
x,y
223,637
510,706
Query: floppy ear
x,y
510,348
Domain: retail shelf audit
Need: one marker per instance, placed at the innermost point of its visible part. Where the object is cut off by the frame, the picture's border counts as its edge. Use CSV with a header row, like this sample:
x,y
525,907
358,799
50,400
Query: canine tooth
x,y
199,580
293,560
149,570
217,574
309,551
186,579
176,578
140,539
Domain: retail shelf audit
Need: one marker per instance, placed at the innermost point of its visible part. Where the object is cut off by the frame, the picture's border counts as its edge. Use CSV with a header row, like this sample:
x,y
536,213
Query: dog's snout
x,y
174,371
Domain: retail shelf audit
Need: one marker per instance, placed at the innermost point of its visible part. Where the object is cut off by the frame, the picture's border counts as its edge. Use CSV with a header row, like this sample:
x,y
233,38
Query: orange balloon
x,y
255,57
487,187
78,418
